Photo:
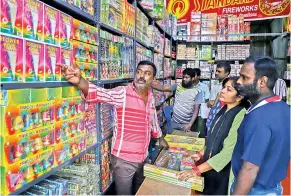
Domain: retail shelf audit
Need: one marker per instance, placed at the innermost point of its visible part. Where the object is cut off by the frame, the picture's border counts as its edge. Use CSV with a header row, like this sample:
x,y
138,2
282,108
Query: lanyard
x,y
264,102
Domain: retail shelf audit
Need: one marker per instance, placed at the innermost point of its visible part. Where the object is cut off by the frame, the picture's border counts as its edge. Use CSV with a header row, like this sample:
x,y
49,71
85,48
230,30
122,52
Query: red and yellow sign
x,y
250,9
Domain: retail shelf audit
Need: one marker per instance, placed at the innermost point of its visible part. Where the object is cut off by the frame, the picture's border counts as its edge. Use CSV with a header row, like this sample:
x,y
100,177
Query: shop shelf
x,y
122,80
53,171
72,10
109,186
17,85
114,31
143,44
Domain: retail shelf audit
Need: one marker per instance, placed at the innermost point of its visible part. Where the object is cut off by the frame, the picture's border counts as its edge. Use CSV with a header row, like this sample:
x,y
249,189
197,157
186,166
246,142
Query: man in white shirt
x,y
203,110
222,72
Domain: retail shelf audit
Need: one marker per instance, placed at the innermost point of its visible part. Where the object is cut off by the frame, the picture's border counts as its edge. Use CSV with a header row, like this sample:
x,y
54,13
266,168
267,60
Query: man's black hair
x,y
197,71
148,63
252,59
266,66
225,66
190,72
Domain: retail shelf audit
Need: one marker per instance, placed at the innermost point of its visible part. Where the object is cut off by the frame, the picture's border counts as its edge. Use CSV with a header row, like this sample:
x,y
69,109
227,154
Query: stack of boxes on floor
x,y
42,129
74,179
36,37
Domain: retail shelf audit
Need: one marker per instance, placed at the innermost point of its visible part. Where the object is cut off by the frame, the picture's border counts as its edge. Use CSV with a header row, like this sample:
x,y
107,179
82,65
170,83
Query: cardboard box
x,y
51,25
52,57
11,59
33,20
34,61
11,15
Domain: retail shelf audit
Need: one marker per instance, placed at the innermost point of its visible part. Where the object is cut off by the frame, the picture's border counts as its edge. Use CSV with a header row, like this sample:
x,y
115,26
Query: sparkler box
x,y
52,57
33,20
11,59
51,25
11,15
34,61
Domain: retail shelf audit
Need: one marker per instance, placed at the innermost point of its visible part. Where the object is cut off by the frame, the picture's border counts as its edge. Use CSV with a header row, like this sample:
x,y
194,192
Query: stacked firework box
x,y
177,158
74,179
35,37
43,128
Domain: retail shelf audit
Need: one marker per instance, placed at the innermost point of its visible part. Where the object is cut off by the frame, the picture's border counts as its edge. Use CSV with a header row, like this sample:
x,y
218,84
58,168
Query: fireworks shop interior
x,y
55,141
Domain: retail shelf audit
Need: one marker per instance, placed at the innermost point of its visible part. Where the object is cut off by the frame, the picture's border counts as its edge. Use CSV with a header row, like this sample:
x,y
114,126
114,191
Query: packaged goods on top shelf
x,y
156,39
85,5
118,14
142,23
194,26
33,57
84,32
208,26
156,8
212,27
229,52
106,173
43,128
164,22
143,54
116,56
74,179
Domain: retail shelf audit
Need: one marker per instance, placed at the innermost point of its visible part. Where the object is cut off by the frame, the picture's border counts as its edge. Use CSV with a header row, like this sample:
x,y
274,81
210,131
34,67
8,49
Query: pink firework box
x,y
51,25
11,59
52,57
65,58
66,34
11,17
33,20
34,61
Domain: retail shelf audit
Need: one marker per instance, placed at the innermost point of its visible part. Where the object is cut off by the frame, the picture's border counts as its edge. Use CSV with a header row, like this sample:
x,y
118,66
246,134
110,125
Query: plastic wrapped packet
x,y
163,160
